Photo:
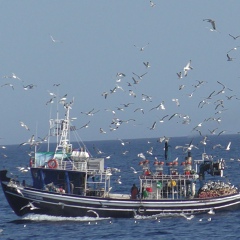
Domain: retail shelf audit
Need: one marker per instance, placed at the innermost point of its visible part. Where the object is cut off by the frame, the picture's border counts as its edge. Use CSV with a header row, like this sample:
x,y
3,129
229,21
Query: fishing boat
x,y
70,182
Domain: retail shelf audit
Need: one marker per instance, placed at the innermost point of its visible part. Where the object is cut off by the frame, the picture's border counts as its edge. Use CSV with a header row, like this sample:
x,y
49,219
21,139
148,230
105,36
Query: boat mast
x,y
63,126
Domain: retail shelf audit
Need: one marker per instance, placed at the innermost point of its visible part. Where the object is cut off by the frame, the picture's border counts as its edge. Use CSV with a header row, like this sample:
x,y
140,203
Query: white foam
x,y
43,217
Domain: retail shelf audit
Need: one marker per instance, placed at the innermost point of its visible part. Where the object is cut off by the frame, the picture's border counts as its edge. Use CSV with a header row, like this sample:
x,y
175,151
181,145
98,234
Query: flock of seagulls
x,y
214,98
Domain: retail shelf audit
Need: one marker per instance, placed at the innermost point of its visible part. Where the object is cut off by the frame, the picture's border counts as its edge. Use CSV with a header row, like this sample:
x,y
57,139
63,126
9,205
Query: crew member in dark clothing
x,y
134,192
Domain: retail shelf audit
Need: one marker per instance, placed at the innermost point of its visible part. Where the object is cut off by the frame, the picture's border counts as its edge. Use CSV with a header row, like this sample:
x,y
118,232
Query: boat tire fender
x,y
141,210
52,163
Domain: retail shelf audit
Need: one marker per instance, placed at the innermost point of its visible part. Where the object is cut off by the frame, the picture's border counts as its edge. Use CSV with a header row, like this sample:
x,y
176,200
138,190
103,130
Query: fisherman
x,y
147,172
134,192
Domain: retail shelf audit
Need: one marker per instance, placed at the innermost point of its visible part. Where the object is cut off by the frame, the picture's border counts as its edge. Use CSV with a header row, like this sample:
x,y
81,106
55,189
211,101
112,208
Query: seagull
x,y
134,171
199,83
188,218
213,131
140,76
211,211
223,131
217,145
24,125
8,84
122,142
229,58
85,125
97,215
146,64
141,48
98,151
29,86
119,87
120,75
176,101
141,155
23,169
234,36
15,76
146,97
139,109
119,180
176,159
90,113
152,4
113,90
212,22
210,95
120,109
113,112
228,146
126,104
204,141
190,94
179,75
187,68
175,114
29,205
235,48
63,99
153,126
162,119
181,87
150,151
105,94
161,105
52,94
131,93
135,81
31,141
54,40
50,101
102,131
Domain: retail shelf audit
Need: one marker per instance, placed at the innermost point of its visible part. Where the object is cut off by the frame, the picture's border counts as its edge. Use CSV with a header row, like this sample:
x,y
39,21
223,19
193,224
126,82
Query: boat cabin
x,y
75,173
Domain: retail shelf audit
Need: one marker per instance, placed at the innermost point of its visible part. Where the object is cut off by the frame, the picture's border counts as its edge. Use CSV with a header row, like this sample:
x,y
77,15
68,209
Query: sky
x,y
83,45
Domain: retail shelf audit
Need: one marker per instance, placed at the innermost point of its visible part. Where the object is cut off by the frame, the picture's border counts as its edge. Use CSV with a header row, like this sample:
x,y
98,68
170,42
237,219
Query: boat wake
x,y
43,217
165,215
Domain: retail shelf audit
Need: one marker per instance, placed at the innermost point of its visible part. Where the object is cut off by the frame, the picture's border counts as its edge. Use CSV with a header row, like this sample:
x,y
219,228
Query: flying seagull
x,y
85,125
179,74
24,125
146,64
187,68
212,22
102,131
229,58
234,36
141,48
8,84
153,126
54,40
140,76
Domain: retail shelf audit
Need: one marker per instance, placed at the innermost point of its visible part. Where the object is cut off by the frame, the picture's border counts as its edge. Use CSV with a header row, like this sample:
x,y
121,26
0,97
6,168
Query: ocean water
x,y
224,225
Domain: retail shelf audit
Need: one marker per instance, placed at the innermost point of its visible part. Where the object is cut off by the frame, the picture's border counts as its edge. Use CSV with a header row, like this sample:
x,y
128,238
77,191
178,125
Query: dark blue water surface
x,y
225,225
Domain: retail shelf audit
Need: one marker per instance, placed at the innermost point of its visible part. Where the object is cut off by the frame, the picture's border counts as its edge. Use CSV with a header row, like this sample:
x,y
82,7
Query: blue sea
x,y
224,225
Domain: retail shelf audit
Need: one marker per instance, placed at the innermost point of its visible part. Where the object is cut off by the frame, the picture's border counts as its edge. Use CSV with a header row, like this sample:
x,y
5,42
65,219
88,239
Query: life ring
x,y
52,163
141,210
